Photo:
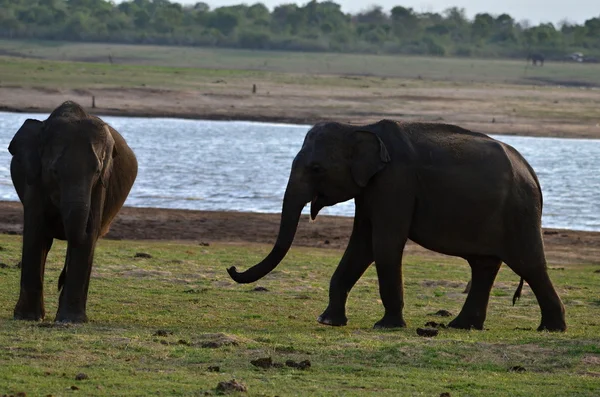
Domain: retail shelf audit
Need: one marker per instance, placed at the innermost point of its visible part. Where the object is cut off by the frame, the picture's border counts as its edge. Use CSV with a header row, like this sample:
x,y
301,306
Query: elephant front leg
x,y
356,259
36,245
73,297
483,274
388,261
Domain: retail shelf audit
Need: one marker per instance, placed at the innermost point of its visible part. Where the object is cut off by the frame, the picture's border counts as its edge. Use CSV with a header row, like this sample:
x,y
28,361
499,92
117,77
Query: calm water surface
x,y
244,166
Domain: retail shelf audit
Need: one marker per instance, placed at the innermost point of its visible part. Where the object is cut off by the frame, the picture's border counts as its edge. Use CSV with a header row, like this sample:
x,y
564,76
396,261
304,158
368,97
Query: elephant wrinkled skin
x,y
448,189
72,173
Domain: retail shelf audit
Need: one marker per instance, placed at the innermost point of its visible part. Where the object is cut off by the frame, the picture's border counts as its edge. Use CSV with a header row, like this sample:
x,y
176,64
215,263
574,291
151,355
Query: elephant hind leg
x,y
536,275
483,273
530,263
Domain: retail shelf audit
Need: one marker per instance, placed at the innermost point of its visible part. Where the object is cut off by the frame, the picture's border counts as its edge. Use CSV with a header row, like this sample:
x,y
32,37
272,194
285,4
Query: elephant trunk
x,y
75,220
290,216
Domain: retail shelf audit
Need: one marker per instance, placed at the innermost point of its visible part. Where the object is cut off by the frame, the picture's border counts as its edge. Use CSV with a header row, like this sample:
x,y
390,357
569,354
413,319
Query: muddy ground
x,y
562,246
511,110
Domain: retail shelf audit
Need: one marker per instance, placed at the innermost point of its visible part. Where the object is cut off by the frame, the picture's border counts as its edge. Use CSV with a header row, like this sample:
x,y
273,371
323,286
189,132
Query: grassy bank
x,y
408,67
184,289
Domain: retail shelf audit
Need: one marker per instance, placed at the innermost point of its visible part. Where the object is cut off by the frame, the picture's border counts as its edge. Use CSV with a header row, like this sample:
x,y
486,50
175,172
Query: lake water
x,y
244,166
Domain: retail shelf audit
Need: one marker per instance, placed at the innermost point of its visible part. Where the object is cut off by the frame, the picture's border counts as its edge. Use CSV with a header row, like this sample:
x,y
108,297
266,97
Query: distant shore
x,y
289,107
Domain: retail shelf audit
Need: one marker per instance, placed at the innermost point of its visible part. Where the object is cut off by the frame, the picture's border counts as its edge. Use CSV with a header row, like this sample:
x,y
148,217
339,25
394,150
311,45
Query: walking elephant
x,y
72,173
448,189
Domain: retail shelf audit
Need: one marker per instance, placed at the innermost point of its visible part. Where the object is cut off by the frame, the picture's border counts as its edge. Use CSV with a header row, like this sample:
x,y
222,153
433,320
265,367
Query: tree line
x,y
314,26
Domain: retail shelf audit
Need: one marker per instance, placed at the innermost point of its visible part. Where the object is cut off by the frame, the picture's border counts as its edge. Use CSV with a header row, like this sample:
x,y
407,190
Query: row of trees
x,y
315,26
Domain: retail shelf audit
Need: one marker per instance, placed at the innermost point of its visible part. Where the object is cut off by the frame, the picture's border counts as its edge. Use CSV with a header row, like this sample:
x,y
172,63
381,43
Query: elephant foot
x,y
389,321
29,315
36,313
330,318
465,322
64,316
553,325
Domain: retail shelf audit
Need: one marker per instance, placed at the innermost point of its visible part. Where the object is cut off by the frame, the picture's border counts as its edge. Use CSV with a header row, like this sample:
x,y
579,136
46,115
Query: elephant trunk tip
x,y
238,277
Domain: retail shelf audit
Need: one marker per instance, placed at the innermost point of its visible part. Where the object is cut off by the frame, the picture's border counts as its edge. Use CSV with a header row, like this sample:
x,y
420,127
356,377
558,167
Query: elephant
x,y
448,189
536,58
72,173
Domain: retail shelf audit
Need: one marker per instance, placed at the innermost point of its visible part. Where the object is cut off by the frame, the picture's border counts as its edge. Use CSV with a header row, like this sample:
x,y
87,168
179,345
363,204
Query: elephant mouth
x,y
316,205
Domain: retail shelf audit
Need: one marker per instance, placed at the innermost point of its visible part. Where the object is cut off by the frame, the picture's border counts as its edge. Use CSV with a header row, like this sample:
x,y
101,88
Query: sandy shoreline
x,y
133,223
309,105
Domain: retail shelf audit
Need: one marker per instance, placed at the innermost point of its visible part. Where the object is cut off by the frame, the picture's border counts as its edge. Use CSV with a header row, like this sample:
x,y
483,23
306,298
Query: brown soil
x,y
512,110
562,246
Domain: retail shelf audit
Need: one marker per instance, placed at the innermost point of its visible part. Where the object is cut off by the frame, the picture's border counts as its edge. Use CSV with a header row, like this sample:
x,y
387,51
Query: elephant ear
x,y
108,158
25,147
370,156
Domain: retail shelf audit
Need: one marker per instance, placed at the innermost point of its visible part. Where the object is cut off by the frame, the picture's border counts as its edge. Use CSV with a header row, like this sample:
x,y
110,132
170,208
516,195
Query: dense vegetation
x,y
316,26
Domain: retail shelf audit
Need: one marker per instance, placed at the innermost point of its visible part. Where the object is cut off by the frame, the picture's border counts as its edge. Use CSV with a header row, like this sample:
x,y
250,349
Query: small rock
x,y
231,386
218,340
427,332
301,365
517,368
265,362
443,313
433,324
260,289
162,332
142,255
81,376
74,388
214,368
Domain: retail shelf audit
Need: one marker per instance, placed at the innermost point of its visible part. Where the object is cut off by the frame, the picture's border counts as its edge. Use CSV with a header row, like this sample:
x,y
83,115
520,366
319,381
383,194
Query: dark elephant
x,y
72,173
450,190
536,59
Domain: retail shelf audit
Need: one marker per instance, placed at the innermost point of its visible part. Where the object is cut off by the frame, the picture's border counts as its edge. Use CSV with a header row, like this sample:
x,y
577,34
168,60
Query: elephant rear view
x,y
72,173
448,189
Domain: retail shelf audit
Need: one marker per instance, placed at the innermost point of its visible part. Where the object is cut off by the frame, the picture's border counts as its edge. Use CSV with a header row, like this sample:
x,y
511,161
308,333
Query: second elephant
x,y
448,189
72,173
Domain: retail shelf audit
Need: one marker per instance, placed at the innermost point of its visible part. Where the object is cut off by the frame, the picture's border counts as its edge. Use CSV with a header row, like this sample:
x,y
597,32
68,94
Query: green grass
x,y
184,289
409,67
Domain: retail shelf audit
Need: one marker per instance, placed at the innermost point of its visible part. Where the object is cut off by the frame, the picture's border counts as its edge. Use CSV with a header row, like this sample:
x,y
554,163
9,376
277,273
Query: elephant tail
x,y
517,294
61,278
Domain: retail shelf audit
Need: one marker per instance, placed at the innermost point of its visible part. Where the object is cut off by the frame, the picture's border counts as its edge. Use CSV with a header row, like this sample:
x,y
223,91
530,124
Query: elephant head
x,y
335,164
68,157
